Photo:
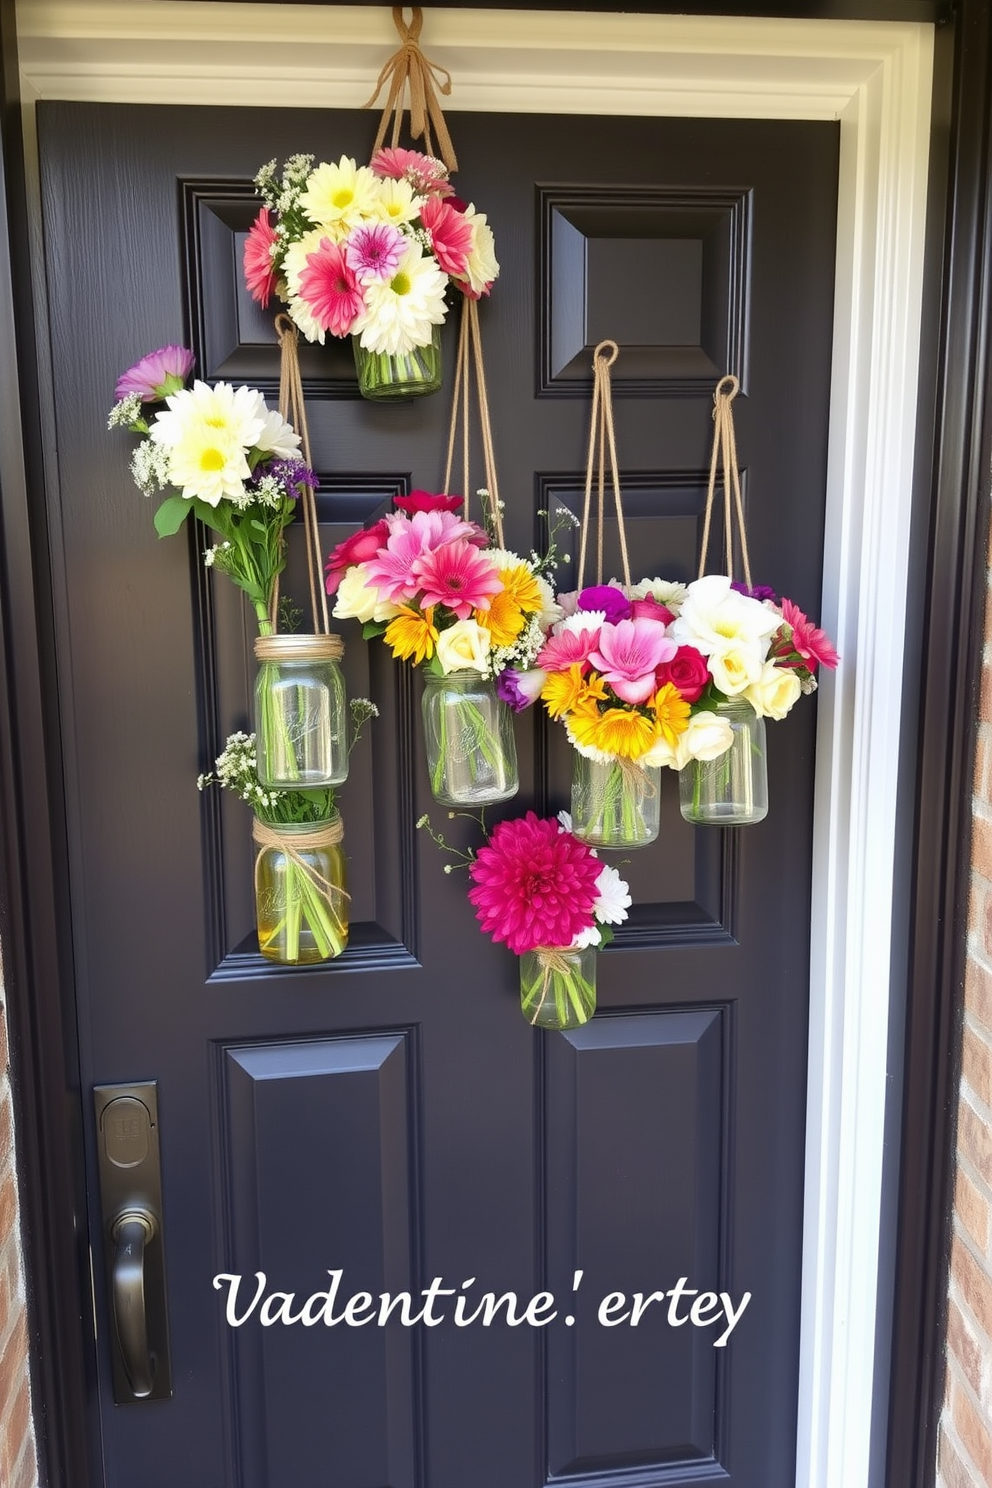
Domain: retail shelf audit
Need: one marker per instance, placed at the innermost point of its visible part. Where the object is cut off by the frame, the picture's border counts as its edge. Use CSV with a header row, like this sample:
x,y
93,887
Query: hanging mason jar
x,y
558,986
301,715
615,803
301,903
384,376
468,734
731,790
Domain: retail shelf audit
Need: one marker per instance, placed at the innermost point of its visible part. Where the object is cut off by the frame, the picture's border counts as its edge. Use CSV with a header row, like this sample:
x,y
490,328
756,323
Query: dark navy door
x,y
390,1123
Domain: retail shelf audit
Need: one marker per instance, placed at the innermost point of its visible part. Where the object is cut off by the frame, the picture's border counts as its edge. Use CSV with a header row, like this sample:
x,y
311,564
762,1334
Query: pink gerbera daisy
x,y
451,235
330,289
426,175
260,275
535,885
811,643
563,650
457,575
374,251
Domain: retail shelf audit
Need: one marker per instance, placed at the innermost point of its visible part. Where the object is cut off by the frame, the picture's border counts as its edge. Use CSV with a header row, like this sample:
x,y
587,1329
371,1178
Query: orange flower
x,y
671,713
618,732
563,692
412,635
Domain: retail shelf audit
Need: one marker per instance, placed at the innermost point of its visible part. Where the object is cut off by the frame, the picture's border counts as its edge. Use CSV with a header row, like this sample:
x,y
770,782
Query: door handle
x,y
133,1240
131,1232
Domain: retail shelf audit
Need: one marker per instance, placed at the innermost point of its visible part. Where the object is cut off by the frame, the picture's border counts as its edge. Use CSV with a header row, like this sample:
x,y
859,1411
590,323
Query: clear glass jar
x,y
616,803
301,714
384,377
468,734
301,900
731,790
558,987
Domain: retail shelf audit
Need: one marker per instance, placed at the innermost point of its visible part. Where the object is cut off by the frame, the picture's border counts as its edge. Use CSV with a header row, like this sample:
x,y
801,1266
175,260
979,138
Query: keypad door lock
x,y
131,1206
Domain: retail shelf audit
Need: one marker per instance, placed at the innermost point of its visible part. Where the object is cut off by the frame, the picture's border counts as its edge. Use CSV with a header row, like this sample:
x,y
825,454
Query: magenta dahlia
x,y
535,885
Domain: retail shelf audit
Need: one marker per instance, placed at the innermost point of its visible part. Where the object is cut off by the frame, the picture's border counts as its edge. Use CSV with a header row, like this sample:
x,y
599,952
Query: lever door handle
x,y
131,1232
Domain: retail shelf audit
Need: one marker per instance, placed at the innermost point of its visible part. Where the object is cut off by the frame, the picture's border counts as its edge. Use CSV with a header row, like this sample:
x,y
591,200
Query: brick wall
x,y
17,1445
965,1446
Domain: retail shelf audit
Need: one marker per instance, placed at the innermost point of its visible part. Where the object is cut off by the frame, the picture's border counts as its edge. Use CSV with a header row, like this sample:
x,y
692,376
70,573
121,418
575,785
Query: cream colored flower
x,y
233,415
716,618
464,646
481,268
736,667
662,591
774,692
708,736
340,196
209,466
396,201
357,600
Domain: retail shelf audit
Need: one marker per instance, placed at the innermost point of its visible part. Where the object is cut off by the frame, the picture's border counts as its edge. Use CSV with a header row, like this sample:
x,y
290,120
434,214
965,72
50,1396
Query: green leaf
x,y
373,628
171,515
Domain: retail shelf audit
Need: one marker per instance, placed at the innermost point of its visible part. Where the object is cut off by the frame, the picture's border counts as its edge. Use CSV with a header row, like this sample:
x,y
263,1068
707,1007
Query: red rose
x,y
649,609
424,501
358,548
687,671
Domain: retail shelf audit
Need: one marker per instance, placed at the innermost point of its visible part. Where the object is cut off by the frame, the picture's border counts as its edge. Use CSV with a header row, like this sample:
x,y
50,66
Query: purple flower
x,y
294,473
156,375
520,689
373,252
605,598
760,592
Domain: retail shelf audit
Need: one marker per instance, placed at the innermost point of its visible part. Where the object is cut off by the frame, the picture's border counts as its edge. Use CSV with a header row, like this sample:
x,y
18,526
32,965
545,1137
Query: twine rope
x,y
293,410
470,360
725,454
408,65
602,439
322,834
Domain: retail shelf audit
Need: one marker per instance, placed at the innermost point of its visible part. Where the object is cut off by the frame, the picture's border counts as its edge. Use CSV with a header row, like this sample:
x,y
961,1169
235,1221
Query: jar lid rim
x,y
299,648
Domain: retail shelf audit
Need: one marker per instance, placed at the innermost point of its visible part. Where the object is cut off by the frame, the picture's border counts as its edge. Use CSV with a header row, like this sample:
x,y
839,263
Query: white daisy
x,y
400,312
222,412
612,897
276,437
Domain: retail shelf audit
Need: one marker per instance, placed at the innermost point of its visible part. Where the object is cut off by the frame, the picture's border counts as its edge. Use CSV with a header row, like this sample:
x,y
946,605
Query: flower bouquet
x,y
369,251
546,895
301,902
426,580
223,455
671,675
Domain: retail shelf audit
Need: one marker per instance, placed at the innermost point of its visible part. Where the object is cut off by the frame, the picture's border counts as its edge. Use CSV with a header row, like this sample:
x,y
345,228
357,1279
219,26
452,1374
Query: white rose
x,y
463,646
357,600
774,692
671,756
736,667
707,737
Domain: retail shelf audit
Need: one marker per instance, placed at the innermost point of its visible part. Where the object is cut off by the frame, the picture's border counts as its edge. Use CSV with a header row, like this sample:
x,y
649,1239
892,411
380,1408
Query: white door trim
x,y
875,78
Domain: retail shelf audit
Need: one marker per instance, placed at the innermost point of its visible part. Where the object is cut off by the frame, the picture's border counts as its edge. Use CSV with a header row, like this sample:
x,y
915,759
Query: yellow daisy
x,y
412,635
504,619
671,713
563,692
617,732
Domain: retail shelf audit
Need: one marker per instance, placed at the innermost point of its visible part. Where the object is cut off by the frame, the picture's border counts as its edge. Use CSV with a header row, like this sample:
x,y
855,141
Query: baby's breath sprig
x,y
466,859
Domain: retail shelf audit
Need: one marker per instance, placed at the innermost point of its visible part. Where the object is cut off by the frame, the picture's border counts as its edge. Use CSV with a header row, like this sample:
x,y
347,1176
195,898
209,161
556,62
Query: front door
x,y
391,1117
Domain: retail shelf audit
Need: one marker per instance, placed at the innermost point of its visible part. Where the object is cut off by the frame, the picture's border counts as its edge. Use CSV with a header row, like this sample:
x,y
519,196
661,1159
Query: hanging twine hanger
x,y
602,439
469,359
409,65
293,410
725,454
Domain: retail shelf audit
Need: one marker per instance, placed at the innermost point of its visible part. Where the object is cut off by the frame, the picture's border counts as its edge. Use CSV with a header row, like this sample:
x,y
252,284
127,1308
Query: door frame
x,y
880,546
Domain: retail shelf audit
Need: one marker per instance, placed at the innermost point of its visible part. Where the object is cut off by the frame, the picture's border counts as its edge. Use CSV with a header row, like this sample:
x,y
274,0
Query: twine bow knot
x,y
409,65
